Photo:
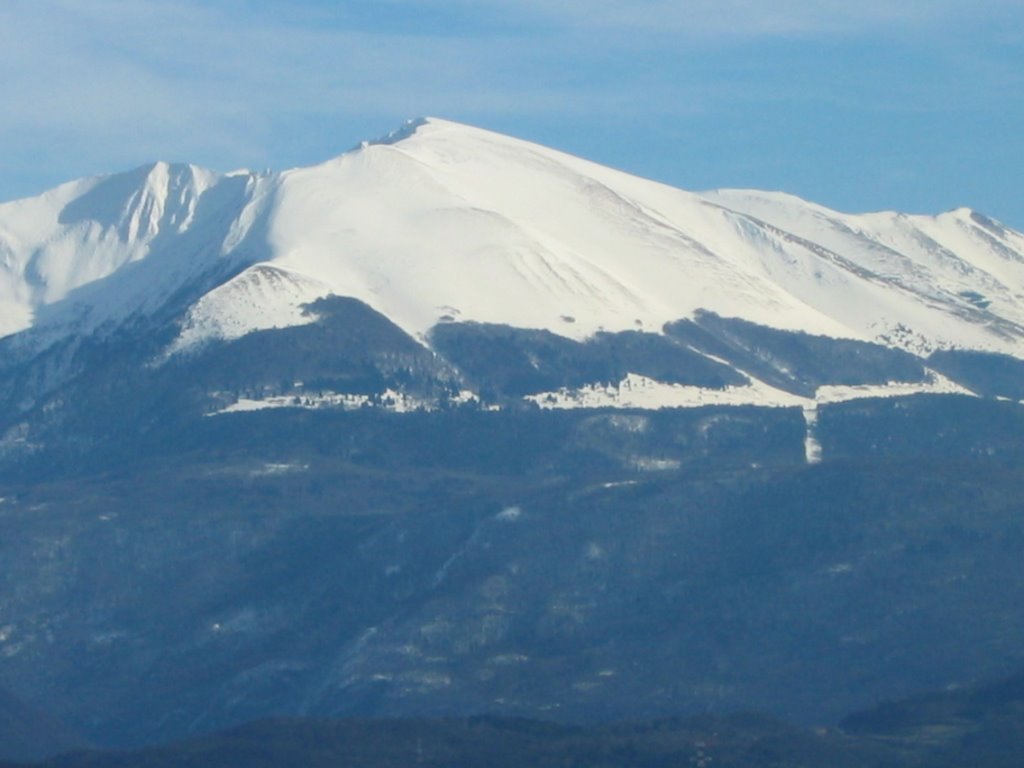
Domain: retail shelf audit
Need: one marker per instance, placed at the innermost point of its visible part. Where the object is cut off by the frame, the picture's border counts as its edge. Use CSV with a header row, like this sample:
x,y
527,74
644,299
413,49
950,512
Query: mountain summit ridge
x,y
440,220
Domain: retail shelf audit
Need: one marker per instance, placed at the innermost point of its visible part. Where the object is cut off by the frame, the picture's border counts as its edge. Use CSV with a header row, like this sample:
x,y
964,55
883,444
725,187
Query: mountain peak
x,y
434,128
407,129
448,220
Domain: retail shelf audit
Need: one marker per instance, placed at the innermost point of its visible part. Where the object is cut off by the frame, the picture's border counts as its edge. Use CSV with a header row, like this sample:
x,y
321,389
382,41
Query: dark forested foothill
x,y
981,727
173,567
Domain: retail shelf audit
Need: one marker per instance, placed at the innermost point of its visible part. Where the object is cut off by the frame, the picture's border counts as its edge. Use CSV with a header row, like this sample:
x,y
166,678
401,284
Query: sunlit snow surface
x,y
389,400
641,392
446,220
634,392
261,297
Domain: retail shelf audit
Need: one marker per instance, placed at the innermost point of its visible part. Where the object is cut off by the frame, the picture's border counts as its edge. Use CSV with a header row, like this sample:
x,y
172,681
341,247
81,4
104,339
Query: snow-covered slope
x,y
94,253
442,221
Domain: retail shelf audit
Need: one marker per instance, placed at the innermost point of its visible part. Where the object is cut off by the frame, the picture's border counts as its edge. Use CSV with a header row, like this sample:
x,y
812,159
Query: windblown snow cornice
x,y
441,221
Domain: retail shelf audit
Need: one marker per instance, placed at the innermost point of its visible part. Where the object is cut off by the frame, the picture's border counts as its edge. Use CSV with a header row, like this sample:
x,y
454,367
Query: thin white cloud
x,y
716,20
157,71
126,81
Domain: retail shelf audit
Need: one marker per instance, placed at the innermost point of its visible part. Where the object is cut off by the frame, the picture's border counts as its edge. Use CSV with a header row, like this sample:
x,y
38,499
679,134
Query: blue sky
x,y
916,105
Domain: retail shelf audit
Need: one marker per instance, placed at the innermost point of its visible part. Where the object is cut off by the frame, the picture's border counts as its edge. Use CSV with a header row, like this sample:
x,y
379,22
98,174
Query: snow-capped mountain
x,y
582,512
441,224
442,221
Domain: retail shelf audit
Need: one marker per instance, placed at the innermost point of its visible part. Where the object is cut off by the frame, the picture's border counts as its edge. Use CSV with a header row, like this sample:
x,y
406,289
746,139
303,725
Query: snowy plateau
x,y
440,223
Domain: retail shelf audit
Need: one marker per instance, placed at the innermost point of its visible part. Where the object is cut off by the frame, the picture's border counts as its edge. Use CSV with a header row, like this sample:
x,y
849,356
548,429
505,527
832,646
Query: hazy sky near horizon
x,y
915,105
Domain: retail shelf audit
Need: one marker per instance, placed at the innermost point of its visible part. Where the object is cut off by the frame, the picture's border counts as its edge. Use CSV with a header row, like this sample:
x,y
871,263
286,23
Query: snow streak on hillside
x,y
441,221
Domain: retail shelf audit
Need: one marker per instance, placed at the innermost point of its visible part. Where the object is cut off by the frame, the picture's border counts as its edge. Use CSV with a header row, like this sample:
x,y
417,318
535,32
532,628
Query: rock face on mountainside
x,y
458,424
